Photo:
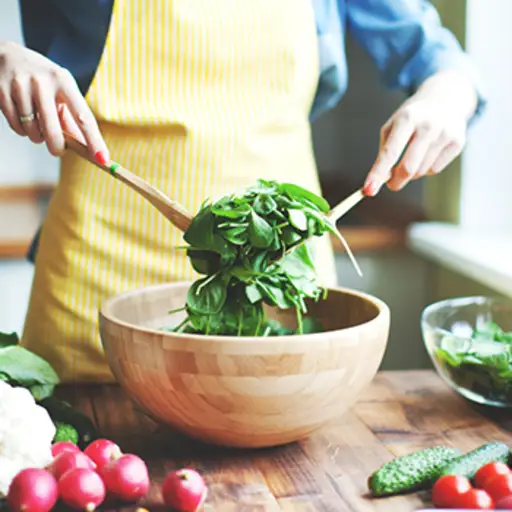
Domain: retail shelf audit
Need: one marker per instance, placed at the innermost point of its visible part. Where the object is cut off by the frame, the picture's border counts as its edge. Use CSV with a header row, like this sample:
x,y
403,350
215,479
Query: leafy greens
x,y
20,367
480,366
250,248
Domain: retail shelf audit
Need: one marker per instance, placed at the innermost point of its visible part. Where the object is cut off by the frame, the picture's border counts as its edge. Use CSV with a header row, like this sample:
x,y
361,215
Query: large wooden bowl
x,y
247,391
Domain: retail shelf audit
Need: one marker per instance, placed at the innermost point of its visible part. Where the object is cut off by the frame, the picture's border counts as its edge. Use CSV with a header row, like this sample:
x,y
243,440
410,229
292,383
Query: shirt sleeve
x,y
407,42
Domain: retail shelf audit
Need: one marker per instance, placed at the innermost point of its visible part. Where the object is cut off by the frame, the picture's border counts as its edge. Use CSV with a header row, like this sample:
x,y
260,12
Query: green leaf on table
x,y
8,340
41,391
26,368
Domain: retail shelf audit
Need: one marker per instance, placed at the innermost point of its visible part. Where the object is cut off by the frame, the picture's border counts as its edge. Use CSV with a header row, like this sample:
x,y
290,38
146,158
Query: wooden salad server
x,y
177,213
173,211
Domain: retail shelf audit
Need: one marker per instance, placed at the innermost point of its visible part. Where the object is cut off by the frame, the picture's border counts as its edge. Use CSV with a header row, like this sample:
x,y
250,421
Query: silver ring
x,y
27,118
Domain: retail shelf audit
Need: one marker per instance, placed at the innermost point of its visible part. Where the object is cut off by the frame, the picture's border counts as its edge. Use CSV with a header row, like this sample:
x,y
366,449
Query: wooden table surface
x,y
400,412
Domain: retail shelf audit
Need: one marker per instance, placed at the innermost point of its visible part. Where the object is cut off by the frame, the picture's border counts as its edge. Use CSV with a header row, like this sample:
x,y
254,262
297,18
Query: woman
x,y
201,97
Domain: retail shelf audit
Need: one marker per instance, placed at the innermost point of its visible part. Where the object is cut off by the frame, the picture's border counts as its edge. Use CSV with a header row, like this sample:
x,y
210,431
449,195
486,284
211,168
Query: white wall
x,y
486,168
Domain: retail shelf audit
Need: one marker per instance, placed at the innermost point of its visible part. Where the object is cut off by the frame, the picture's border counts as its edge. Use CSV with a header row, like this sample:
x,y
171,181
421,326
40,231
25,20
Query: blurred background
x,y
440,237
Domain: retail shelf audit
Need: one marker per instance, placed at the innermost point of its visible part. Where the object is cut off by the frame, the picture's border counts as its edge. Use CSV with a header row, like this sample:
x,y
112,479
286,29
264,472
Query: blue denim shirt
x,y
404,38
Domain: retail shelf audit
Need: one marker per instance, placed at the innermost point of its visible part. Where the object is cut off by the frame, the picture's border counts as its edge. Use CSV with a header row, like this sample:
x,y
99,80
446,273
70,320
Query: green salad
x,y
480,365
250,249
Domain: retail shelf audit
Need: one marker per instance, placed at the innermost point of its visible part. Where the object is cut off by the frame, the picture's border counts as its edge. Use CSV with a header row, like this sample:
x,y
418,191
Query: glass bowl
x,y
469,340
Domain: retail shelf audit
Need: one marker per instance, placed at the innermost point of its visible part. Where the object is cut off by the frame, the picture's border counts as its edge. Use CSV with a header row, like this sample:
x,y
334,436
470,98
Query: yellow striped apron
x,y
200,97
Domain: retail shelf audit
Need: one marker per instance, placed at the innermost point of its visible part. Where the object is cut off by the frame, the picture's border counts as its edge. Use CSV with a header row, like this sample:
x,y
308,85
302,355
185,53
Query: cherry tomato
x,y
448,489
500,486
475,499
490,471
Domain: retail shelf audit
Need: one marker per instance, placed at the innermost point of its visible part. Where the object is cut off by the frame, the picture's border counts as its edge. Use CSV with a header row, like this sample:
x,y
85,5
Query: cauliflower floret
x,y
26,434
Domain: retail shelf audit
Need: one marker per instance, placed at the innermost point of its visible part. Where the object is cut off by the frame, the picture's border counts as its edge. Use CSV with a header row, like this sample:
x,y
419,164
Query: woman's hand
x,y
425,134
33,92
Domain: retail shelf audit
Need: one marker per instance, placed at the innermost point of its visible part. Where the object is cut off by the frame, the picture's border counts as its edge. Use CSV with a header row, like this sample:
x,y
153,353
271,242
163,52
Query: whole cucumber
x,y
467,465
411,472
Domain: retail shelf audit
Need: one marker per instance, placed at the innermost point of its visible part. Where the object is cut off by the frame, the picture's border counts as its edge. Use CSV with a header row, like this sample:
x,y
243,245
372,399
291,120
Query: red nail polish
x,y
370,189
101,158
367,189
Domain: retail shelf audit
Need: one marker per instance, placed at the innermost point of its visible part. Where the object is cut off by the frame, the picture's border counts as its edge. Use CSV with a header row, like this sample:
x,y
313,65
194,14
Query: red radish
x,y
103,451
184,490
64,446
504,503
32,490
82,489
126,478
69,460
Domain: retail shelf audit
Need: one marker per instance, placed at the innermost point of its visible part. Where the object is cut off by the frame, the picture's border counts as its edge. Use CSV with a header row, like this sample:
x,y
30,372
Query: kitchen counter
x,y
398,413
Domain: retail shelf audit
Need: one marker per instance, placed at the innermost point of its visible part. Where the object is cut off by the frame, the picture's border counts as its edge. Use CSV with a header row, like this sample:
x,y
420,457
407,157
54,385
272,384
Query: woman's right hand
x,y
34,91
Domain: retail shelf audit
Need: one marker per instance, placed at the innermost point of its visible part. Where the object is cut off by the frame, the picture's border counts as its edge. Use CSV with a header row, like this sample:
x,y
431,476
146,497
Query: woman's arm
x,y
414,52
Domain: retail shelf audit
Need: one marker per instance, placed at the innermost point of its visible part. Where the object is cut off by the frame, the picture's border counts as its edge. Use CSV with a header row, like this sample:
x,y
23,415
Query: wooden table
x,y
399,412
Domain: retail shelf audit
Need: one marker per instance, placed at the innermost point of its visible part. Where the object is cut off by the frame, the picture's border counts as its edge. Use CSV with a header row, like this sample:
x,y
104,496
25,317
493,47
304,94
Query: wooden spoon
x,y
346,205
172,210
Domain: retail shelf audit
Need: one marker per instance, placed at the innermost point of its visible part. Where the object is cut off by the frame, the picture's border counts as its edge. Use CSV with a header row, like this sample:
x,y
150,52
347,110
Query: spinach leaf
x,y
235,242
264,204
260,232
301,194
231,212
298,219
482,364
207,296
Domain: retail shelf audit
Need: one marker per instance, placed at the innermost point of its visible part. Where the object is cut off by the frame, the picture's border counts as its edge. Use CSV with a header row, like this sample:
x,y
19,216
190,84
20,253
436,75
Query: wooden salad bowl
x,y
243,391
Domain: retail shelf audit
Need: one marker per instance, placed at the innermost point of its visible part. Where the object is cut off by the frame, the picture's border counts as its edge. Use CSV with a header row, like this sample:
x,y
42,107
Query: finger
x,y
68,123
447,156
399,135
44,100
432,155
84,118
410,163
22,97
9,110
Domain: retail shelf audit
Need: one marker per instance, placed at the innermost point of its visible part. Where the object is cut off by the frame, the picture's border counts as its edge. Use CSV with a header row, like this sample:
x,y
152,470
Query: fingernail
x,y
101,157
371,188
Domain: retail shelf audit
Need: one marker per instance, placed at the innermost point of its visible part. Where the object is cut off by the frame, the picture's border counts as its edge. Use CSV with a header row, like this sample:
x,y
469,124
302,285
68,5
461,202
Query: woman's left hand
x,y
425,134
